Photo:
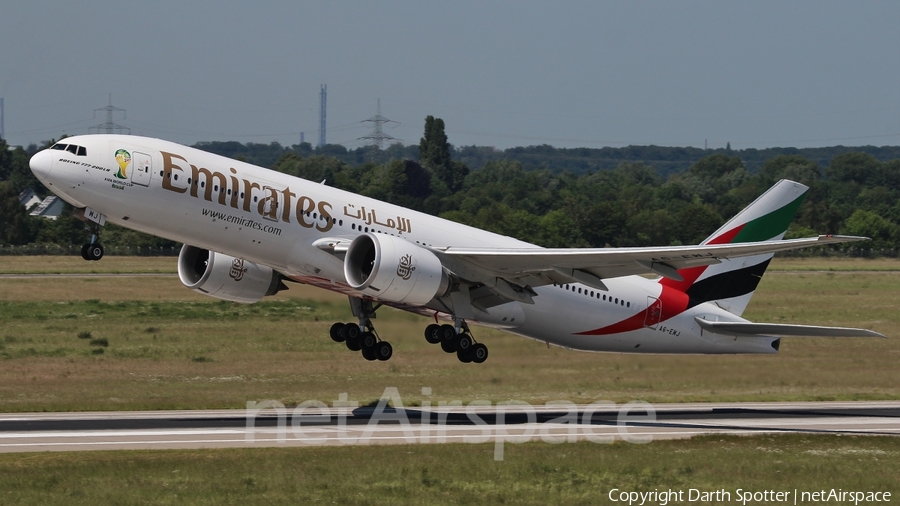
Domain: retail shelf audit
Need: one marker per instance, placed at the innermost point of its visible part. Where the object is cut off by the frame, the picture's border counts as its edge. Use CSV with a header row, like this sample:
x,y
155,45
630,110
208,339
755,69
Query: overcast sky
x,y
500,73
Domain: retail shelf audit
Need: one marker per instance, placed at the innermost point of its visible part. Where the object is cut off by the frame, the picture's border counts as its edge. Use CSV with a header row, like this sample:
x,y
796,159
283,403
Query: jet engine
x,y
393,269
226,277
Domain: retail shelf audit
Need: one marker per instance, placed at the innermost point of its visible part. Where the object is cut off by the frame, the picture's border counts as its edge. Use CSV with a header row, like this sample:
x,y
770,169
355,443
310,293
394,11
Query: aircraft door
x,y
142,169
654,312
270,203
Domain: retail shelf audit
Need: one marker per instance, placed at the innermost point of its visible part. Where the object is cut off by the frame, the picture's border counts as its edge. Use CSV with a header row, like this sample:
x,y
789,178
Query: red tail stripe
x,y
691,274
674,302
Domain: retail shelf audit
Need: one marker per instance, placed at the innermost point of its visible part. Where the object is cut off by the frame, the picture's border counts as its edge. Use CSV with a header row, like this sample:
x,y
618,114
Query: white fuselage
x,y
273,219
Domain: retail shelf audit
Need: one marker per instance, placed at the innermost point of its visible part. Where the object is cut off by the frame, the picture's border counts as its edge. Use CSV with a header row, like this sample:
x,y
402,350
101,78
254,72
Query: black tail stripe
x,y
727,284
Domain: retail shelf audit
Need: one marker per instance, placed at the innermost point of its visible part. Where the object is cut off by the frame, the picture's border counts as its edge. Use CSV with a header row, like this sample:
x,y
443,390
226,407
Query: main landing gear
x,y
457,339
362,336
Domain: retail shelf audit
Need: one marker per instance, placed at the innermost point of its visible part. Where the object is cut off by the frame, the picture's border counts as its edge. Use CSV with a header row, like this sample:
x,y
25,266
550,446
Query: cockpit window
x,y
71,148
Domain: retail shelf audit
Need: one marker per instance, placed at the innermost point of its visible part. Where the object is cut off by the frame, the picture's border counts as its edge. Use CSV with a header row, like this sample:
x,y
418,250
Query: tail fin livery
x,y
731,283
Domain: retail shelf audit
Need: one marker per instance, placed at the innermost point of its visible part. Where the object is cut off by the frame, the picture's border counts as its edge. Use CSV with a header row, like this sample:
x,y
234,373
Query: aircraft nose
x,y
40,164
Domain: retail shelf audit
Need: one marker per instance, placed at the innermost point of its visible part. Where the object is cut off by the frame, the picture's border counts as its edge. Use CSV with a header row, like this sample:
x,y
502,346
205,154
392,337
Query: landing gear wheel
x,y
384,351
479,353
431,333
337,333
448,347
352,330
464,356
446,332
368,341
353,343
368,354
462,342
92,251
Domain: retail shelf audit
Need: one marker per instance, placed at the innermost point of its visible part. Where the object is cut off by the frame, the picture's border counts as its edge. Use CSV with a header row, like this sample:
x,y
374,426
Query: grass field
x,y
532,473
165,347
170,348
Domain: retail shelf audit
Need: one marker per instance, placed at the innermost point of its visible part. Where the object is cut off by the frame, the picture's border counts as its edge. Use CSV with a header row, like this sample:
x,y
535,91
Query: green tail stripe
x,y
770,225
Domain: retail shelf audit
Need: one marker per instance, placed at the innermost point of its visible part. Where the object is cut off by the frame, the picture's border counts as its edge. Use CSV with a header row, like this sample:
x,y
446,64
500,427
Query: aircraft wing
x,y
591,265
747,329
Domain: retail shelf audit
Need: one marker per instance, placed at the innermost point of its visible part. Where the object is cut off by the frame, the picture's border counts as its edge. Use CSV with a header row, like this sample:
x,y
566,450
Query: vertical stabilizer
x,y
731,283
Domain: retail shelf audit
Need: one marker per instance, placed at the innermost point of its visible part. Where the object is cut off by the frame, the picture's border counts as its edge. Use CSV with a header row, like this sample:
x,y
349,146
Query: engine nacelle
x,y
226,277
393,269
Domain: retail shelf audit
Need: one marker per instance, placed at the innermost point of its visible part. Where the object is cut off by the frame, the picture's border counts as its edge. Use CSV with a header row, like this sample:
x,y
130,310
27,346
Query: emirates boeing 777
x,y
246,230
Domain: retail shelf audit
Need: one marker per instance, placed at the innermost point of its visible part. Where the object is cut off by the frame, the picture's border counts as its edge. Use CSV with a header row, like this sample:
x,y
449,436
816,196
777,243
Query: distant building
x,y
50,208
29,199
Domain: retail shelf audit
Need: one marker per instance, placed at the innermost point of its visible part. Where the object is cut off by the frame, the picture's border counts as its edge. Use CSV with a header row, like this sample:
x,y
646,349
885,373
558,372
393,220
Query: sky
x,y
499,73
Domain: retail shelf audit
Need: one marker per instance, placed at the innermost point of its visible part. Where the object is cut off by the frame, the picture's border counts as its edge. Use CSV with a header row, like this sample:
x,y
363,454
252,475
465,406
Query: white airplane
x,y
247,229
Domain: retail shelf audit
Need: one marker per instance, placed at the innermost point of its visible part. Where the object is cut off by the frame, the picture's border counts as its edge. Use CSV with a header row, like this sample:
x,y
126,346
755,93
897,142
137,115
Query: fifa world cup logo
x,y
123,158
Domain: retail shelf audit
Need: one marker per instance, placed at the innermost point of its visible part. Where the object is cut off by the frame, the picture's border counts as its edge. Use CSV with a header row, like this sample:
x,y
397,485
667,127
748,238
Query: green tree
x,y
793,167
884,233
695,222
434,155
15,224
853,167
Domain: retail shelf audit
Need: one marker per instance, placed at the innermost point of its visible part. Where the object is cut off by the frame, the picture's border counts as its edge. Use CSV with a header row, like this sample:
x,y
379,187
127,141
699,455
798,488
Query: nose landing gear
x,y
93,250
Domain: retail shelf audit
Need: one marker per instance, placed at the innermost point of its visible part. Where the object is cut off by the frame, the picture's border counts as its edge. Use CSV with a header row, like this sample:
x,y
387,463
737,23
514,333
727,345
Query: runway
x,y
475,423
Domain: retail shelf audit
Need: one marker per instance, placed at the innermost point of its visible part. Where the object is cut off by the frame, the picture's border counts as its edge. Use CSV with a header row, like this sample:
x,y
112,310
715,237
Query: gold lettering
x,y
248,194
325,214
234,189
286,213
304,205
209,177
168,168
268,206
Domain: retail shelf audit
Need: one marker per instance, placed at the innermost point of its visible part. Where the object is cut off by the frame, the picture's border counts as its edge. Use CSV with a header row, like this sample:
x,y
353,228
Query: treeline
x,y
634,203
665,160
631,205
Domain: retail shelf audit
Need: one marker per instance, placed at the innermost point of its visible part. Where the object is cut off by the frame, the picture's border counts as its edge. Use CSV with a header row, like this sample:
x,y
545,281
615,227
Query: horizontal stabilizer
x,y
747,329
